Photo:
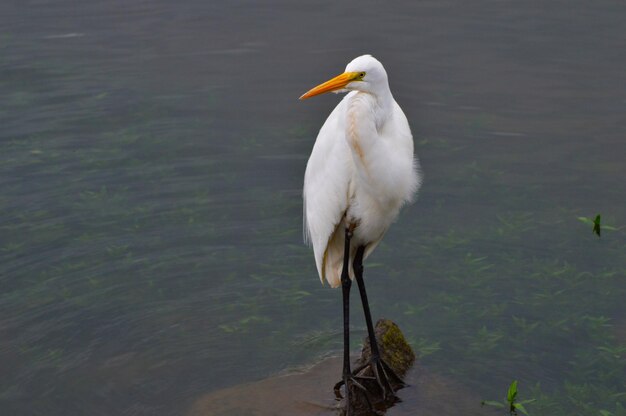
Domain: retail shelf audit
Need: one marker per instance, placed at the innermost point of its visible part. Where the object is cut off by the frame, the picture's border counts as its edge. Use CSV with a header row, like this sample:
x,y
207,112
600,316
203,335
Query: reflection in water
x,y
150,177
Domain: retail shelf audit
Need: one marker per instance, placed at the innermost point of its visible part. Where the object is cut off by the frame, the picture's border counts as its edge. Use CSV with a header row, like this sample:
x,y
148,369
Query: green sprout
x,y
511,401
597,226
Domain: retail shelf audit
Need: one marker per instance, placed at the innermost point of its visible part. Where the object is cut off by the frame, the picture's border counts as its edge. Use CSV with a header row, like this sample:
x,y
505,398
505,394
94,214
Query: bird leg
x,y
348,379
381,370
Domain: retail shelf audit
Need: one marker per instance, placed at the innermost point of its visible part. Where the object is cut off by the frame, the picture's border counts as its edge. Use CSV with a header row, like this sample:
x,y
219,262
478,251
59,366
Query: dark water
x,y
151,162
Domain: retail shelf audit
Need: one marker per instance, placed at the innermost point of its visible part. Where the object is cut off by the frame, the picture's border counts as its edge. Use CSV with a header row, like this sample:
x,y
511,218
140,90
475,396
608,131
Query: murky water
x,y
152,155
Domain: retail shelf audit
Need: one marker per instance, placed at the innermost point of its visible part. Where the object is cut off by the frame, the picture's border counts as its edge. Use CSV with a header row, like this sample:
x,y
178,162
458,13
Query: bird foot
x,y
352,384
383,374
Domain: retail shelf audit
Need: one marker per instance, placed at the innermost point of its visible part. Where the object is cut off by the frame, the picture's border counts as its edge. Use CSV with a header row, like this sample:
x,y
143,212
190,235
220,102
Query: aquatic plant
x,y
510,403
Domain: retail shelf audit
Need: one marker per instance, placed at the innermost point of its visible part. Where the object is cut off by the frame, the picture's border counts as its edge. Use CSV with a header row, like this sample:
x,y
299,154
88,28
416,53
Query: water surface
x,y
152,155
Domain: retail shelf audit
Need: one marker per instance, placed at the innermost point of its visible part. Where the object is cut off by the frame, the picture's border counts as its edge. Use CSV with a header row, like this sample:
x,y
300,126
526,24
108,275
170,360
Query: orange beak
x,y
337,83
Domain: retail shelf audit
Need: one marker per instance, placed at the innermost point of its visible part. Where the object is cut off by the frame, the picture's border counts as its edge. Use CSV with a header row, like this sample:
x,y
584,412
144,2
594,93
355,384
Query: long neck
x,y
365,108
365,119
383,102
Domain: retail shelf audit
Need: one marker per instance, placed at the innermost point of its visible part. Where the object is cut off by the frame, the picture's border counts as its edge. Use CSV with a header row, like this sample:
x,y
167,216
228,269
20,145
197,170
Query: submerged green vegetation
x,y
151,252
200,266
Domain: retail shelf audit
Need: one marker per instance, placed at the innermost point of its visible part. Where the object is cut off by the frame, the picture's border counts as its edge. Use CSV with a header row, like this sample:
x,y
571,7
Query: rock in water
x,y
394,348
396,352
309,392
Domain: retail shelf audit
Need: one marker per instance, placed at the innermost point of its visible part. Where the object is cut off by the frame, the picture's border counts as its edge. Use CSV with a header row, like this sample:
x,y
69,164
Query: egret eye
x,y
362,74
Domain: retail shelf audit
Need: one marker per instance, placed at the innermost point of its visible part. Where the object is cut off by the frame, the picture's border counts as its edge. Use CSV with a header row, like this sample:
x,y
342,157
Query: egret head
x,y
364,73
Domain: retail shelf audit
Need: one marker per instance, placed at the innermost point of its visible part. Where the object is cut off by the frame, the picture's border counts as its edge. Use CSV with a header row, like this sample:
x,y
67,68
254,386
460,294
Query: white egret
x,y
360,173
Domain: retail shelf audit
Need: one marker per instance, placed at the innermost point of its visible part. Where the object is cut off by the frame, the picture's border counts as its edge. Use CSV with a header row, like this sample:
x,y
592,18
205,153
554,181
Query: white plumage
x,y
361,170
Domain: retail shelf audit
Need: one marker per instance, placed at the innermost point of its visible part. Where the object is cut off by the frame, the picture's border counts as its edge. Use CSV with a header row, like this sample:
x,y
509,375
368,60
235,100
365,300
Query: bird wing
x,y
326,194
